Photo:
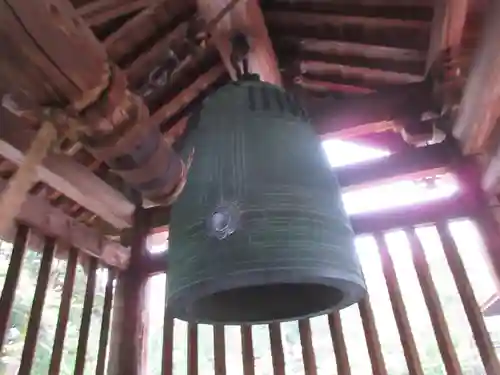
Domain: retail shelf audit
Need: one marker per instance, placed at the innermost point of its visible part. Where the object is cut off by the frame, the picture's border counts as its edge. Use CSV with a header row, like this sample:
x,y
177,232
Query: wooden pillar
x,y
245,17
129,334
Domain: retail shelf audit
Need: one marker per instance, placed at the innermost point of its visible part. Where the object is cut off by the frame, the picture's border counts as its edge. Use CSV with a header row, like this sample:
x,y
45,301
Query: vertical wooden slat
x,y
371,337
339,346
106,318
488,228
64,307
247,350
219,350
479,331
307,347
192,352
88,302
37,307
436,314
127,355
277,355
398,307
168,343
11,280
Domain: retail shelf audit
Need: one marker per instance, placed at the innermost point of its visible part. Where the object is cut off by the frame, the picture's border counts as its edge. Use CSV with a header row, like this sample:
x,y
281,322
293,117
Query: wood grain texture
x,y
339,345
219,350
434,308
372,337
246,17
247,350
88,303
105,324
40,214
65,175
35,315
192,351
308,357
64,308
11,279
277,355
398,308
469,301
480,105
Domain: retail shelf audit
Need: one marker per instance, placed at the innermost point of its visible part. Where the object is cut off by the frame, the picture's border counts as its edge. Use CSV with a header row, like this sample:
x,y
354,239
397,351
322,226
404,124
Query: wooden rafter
x,y
101,11
186,96
63,174
318,19
146,62
447,27
327,47
140,27
368,74
363,114
326,86
38,213
315,3
412,163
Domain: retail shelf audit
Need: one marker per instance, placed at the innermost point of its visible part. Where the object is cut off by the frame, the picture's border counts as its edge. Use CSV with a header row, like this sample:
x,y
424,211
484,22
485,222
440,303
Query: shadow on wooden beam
x,y
408,164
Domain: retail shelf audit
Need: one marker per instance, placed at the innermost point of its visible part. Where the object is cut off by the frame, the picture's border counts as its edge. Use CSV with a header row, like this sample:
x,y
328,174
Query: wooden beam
x,y
156,263
186,96
367,74
145,63
458,206
399,3
59,58
327,47
65,175
408,164
325,86
245,17
144,24
38,213
98,12
99,105
317,19
361,114
447,27
480,105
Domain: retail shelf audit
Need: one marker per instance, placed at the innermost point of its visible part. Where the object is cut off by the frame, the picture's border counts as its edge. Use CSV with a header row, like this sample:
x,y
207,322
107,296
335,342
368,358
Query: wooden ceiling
x,y
333,54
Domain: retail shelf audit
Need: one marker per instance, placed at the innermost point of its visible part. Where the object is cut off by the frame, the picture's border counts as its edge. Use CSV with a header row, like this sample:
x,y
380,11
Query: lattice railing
x,y
55,309
452,339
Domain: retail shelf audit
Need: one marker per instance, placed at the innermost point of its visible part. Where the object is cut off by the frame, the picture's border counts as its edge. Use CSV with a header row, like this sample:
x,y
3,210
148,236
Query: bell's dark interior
x,y
260,303
380,122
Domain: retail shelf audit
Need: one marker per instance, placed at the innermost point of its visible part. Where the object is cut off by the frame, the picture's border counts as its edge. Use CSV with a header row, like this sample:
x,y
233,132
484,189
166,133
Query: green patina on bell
x,y
259,233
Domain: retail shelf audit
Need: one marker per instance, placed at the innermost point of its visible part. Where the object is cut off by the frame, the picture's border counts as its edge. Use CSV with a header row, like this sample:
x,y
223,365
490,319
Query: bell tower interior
x,y
249,187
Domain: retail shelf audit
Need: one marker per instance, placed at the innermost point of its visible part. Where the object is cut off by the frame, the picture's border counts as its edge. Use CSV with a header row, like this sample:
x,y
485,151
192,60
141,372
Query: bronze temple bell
x,y
259,233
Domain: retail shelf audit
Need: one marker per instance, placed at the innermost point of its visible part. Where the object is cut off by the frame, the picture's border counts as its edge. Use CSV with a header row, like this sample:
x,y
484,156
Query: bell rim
x,y
352,289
